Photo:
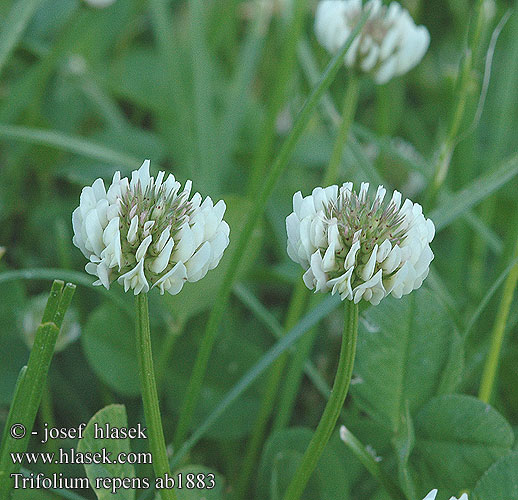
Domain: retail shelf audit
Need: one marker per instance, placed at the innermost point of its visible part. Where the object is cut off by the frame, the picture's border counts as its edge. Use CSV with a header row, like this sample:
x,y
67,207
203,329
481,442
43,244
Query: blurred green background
x,y
208,90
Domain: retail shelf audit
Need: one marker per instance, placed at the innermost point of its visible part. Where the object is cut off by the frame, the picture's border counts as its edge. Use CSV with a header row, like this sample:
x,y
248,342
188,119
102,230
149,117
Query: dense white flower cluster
x,y
358,246
433,494
100,4
146,233
389,45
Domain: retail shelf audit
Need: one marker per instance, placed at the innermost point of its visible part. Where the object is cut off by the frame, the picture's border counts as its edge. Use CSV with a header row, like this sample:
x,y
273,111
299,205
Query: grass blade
x,y
14,25
77,145
457,204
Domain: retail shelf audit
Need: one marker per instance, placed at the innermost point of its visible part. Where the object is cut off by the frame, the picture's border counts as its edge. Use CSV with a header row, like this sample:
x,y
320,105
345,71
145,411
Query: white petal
x,y
164,237
173,281
383,251
94,232
142,249
368,270
162,260
375,285
132,232
198,265
184,245
329,262
431,495
350,259
135,279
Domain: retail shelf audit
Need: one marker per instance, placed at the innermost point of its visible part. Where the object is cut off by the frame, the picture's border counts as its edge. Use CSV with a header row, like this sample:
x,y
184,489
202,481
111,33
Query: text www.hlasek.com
x,y
72,456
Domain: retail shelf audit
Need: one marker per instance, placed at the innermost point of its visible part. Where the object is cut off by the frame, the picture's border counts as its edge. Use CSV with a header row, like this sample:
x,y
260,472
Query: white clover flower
x,y
357,246
99,4
146,233
433,494
389,44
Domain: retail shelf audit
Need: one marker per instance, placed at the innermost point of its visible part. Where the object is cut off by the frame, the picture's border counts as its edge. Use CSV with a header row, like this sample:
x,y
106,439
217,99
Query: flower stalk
x,y
298,301
150,395
334,406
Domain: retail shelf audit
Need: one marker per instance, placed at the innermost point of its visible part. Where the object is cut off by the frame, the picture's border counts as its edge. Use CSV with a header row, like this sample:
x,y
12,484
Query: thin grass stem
x,y
489,374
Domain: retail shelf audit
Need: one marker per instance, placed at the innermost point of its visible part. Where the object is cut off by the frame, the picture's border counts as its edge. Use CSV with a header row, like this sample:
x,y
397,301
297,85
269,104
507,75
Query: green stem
x,y
497,336
334,406
31,383
348,111
442,164
150,395
296,307
252,218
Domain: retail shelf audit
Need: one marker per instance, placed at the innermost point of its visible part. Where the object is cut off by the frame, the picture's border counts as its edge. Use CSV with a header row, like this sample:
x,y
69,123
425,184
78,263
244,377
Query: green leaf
x,y
115,417
281,456
203,473
457,438
500,482
232,357
405,355
108,341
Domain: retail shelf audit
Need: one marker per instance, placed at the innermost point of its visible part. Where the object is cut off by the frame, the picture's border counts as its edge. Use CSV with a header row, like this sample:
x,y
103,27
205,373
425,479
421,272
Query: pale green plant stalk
x,y
333,407
298,300
252,218
31,382
447,148
498,333
150,395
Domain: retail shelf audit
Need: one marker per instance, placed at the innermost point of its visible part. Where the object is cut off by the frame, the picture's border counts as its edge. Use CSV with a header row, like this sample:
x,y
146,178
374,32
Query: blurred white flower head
x,y
433,494
389,45
99,4
146,233
70,329
355,245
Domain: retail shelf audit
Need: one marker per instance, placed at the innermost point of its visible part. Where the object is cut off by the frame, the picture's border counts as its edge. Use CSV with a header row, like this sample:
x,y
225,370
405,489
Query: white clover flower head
x,y
355,245
99,4
146,233
389,44
433,494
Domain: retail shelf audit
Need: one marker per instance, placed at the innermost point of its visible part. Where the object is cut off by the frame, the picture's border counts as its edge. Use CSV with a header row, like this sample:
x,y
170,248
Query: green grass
x,y
212,91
